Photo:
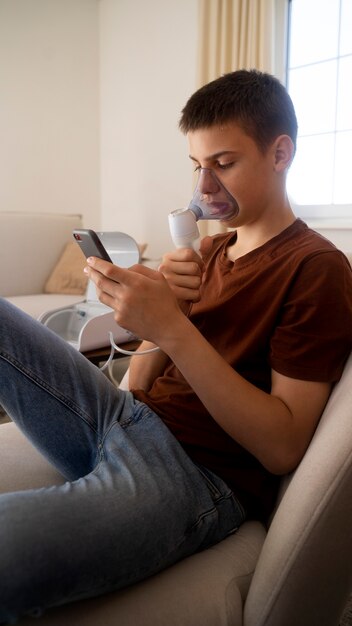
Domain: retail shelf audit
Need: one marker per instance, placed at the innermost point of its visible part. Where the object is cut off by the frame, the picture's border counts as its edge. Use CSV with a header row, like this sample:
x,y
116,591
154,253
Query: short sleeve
x,y
313,336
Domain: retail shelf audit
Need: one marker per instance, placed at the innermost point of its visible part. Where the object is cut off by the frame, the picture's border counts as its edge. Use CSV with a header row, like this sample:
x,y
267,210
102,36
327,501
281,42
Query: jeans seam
x,y
218,496
209,512
107,432
49,389
240,506
101,458
140,412
212,488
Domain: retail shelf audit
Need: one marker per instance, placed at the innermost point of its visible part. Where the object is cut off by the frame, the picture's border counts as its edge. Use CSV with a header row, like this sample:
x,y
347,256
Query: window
x,y
319,80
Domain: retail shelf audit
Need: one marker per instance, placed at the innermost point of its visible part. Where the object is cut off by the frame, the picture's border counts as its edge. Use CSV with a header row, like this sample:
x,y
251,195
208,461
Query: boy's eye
x,y
225,166
221,166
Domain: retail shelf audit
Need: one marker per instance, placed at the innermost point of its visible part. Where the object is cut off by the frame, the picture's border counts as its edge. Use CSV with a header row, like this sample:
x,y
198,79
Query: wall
x,y
91,92
339,231
90,96
49,116
147,71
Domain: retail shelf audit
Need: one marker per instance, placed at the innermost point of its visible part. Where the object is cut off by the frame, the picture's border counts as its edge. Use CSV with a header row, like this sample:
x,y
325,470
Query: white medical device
x,y
87,324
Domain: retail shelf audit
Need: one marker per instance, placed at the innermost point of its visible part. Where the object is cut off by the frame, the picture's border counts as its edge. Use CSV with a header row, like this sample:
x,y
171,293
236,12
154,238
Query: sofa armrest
x,y
304,574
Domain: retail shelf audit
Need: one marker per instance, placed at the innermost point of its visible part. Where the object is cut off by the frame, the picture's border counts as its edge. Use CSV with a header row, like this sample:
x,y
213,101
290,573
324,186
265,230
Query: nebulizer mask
x,y
210,201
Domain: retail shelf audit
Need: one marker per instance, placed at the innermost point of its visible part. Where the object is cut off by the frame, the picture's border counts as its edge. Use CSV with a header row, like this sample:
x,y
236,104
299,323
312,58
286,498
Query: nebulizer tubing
x,y
210,201
114,348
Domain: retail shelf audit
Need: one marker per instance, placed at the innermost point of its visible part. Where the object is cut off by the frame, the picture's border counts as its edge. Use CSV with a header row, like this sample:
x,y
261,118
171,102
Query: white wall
x,y
49,116
90,96
147,71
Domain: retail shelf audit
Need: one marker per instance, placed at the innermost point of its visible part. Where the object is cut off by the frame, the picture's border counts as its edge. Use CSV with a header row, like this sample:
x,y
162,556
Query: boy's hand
x,y
183,269
141,298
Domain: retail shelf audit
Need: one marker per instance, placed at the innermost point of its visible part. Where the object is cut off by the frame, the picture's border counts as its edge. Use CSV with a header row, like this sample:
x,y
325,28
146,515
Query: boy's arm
x,y
276,428
143,370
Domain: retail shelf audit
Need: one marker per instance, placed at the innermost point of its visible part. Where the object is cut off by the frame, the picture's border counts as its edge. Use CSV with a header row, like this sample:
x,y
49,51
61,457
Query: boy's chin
x,y
230,223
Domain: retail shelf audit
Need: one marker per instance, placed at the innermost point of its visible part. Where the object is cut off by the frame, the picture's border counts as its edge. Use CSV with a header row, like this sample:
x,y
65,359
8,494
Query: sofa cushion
x,y
23,467
67,276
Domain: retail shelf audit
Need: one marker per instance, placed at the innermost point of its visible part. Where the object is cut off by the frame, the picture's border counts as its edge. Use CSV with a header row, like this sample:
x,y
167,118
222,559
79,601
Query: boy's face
x,y
249,175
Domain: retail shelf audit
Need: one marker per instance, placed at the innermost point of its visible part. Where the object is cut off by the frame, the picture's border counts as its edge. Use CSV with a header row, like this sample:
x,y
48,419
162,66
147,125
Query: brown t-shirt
x,y
286,305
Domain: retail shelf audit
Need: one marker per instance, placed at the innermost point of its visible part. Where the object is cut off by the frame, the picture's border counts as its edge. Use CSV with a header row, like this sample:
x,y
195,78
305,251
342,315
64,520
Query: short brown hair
x,y
257,101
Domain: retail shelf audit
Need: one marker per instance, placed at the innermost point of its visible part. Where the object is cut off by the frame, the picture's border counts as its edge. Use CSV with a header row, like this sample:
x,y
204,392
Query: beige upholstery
x,y
303,575
37,304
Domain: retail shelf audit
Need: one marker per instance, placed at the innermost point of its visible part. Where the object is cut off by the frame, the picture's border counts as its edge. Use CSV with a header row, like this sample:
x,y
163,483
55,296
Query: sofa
x,y
296,572
40,264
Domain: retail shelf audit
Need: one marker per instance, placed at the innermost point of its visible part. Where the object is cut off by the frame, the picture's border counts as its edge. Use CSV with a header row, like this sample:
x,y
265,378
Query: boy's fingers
x,y
114,272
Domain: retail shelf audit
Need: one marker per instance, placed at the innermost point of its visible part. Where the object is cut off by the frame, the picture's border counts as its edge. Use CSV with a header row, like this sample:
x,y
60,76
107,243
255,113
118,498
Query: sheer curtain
x,y
240,34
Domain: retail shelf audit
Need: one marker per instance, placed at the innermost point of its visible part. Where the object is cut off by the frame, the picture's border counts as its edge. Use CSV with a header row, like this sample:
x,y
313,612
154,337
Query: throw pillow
x,y
67,276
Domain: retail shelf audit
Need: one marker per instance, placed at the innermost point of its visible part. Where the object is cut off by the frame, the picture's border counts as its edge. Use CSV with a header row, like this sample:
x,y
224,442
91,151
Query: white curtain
x,y
240,34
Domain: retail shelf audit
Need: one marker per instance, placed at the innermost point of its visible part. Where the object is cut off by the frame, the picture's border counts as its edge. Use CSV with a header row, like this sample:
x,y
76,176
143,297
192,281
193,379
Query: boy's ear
x,y
283,152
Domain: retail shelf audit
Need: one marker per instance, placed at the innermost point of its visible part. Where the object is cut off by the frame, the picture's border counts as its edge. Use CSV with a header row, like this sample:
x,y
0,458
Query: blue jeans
x,y
134,502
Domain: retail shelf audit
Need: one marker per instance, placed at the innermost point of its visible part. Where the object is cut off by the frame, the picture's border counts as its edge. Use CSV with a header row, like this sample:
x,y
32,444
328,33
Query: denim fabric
x,y
134,502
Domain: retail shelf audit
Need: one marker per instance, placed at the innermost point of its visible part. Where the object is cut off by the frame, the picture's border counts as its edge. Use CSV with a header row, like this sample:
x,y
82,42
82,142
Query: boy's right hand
x,y
183,269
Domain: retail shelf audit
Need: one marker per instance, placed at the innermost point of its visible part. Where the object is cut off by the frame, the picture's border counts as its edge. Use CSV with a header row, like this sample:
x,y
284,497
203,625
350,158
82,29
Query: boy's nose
x,y
207,182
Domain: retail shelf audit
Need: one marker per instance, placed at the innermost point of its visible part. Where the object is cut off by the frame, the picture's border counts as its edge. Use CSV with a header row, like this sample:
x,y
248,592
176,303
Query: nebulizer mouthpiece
x,y
210,201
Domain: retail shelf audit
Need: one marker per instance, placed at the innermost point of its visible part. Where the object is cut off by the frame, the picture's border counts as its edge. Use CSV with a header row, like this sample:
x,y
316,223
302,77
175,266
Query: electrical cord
x,y
130,352
108,364
116,348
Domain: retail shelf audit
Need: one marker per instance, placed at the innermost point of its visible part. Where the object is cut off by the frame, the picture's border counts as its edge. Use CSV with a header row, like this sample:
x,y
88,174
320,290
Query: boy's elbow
x,y
284,461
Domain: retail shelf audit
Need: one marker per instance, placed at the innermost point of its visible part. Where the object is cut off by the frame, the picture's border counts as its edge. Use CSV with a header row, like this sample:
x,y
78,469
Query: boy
x,y
252,337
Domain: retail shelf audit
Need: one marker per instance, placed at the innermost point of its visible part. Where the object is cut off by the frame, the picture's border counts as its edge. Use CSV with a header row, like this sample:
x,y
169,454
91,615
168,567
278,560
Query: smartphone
x,y
90,244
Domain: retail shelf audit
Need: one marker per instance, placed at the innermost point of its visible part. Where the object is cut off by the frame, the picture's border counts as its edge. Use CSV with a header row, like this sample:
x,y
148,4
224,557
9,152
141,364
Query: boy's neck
x,y
252,236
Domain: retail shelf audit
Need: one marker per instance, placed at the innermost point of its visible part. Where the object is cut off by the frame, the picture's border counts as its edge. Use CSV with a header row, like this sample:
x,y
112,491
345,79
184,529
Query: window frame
x,y
314,212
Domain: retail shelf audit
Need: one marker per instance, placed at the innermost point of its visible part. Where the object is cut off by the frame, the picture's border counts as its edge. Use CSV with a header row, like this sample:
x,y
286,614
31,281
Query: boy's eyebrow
x,y
215,156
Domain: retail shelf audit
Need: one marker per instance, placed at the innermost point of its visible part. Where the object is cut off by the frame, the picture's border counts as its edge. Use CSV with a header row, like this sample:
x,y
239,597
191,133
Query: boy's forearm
x,y
143,370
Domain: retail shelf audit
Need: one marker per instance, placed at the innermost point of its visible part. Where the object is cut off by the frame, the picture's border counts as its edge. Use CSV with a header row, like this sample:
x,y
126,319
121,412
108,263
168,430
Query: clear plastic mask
x,y
211,200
